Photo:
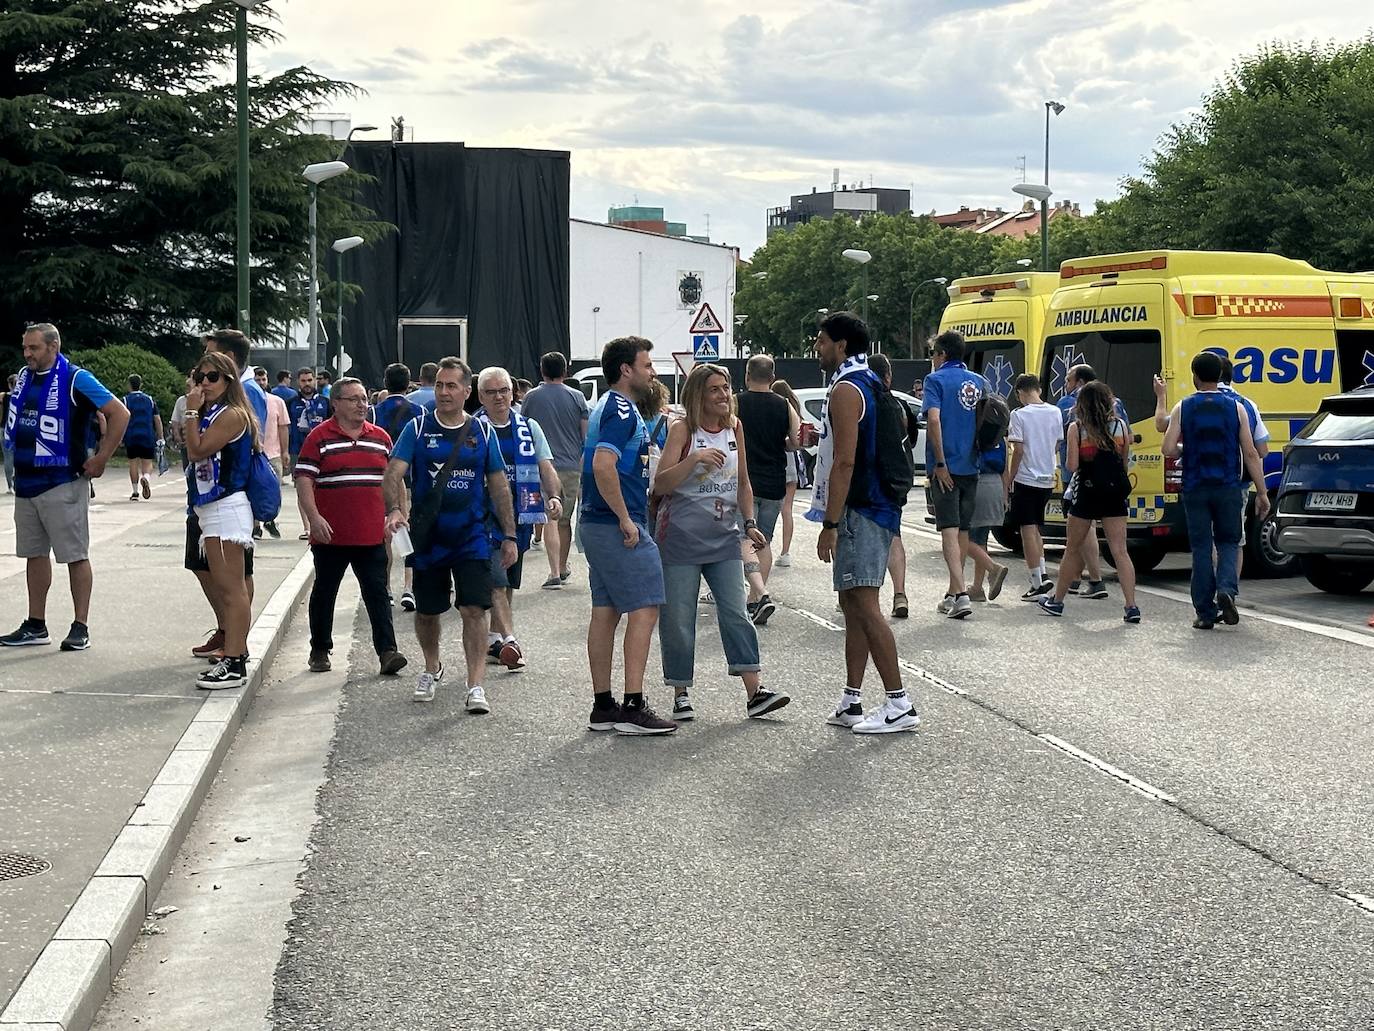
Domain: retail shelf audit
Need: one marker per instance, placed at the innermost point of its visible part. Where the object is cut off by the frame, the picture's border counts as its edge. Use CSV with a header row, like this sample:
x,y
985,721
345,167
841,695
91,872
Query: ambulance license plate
x,y
1332,502
1055,510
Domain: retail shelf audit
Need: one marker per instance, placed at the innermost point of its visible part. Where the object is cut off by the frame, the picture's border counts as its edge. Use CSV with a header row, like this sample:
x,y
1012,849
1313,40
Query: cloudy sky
x,y
727,108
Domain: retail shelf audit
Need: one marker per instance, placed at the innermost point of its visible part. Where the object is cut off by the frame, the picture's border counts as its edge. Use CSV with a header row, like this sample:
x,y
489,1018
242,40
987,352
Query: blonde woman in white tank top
x,y
706,505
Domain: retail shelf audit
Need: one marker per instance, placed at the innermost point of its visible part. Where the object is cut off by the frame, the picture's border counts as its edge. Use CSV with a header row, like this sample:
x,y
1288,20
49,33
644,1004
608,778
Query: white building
x,y
627,282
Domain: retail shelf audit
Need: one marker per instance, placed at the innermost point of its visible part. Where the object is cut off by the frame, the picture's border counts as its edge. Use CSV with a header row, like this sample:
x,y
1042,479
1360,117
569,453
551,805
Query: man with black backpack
x,y
392,413
863,474
950,405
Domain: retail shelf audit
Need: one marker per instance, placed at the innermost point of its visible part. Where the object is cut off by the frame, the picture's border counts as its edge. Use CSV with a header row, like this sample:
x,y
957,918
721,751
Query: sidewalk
x,y
84,736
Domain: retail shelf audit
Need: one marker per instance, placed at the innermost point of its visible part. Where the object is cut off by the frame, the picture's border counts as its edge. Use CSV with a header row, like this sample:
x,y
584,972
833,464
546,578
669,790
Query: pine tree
x,y
118,151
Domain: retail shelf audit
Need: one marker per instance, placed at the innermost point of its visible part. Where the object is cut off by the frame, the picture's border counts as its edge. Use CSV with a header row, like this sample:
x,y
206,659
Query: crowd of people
x,y
657,498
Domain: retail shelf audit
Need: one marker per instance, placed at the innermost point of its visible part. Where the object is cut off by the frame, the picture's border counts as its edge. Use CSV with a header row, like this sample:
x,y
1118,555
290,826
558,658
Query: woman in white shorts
x,y
221,436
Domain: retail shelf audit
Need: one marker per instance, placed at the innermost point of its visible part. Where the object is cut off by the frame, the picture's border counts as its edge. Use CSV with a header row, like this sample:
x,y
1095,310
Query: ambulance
x,y
1002,317
1294,333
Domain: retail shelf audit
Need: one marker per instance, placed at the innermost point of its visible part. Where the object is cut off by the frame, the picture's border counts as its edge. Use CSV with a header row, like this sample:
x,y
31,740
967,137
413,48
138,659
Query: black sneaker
x,y
31,631
682,709
604,715
407,601
78,638
319,661
763,611
494,652
641,721
231,671
765,702
1095,589
1034,593
1227,605
257,531
272,528
1203,624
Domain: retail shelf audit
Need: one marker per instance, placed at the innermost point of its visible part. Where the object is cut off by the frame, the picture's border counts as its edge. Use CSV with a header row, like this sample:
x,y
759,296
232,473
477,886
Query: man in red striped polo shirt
x,y
339,487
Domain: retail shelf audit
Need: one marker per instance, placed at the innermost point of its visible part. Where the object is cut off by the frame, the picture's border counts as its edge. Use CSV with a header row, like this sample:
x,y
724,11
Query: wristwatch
x,y
511,539
939,465
826,524
751,524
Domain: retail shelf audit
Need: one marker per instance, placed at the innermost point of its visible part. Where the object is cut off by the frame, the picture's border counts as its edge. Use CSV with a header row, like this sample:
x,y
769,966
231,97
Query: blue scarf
x,y
825,452
529,492
52,435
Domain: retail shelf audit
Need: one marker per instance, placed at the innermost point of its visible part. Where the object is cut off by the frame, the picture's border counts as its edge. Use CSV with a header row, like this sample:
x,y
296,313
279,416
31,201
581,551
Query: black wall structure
x,y
482,235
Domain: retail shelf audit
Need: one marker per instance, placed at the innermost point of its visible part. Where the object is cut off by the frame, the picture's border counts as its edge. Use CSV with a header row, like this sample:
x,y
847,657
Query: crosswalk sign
x,y
705,347
706,322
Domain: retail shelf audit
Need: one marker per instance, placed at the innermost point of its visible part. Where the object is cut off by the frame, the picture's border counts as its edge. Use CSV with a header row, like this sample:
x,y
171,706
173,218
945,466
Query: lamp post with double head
x,y
314,175
863,258
911,309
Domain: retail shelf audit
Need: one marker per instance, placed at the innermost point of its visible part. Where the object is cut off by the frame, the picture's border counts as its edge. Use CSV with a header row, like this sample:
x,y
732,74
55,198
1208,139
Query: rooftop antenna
x,y
1021,163
708,225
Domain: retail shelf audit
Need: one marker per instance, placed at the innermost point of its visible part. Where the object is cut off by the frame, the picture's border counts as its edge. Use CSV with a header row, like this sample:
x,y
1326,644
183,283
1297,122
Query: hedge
x,y
115,364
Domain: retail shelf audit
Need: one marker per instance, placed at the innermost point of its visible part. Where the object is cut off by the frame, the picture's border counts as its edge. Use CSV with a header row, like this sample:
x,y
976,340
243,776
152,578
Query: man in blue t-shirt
x,y
50,413
623,567
392,413
950,405
453,551
283,389
423,395
140,438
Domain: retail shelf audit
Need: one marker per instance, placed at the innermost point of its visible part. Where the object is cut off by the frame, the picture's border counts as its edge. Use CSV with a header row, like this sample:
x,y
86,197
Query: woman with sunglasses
x,y
221,435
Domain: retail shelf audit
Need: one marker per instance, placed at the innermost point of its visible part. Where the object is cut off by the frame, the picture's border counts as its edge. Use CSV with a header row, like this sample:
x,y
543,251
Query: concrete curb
x,y
67,985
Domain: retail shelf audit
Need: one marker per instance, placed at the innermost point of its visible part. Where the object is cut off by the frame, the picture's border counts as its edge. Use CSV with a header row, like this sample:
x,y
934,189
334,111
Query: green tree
x,y
1280,157
118,150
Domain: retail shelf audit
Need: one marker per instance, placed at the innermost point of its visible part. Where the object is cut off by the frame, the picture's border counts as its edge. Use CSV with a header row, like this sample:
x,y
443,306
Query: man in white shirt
x,y
1037,428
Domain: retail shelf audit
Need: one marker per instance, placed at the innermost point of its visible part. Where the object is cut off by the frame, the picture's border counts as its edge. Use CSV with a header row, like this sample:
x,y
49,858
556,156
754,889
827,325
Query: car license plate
x,y
1054,510
1332,501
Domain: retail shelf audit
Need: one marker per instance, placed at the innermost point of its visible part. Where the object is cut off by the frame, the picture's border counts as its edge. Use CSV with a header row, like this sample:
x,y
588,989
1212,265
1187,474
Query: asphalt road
x,y
516,871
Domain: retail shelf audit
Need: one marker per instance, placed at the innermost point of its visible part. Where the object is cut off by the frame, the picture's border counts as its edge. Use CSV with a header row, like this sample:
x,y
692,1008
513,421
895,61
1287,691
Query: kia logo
x,y
1329,456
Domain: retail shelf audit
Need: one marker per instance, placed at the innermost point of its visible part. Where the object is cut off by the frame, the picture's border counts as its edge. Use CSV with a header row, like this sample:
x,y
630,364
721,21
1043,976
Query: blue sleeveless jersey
x,y
223,473
1211,441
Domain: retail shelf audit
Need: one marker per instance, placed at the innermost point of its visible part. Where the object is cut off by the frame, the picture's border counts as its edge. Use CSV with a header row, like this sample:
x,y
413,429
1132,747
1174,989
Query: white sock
x,y
494,639
1037,576
508,639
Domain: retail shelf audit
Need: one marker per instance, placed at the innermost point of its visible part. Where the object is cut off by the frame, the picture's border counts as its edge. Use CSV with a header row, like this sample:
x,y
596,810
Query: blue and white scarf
x,y
825,451
52,435
528,491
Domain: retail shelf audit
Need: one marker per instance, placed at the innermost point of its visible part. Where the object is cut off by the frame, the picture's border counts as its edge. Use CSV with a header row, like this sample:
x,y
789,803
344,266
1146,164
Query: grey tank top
x,y
698,522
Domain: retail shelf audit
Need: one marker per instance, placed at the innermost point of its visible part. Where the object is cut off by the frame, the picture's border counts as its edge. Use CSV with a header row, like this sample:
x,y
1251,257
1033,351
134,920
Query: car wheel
x,y
1009,537
1263,557
1336,577
1143,556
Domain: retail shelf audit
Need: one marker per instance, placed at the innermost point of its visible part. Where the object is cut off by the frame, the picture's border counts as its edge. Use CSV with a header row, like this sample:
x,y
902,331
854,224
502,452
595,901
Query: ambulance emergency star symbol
x,y
1059,370
999,374
1368,361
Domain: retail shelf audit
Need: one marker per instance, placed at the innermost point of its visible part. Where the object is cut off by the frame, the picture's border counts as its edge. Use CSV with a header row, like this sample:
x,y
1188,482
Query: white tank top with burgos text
x,y
698,522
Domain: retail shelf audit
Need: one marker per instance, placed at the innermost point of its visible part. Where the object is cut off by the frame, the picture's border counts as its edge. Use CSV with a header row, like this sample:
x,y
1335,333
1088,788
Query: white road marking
x,y
1148,790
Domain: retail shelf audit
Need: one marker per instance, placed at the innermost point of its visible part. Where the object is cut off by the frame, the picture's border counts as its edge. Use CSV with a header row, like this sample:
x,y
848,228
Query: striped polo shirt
x,y
348,480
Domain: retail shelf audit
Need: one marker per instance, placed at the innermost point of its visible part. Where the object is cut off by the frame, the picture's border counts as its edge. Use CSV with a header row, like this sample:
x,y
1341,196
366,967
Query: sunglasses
x,y
199,377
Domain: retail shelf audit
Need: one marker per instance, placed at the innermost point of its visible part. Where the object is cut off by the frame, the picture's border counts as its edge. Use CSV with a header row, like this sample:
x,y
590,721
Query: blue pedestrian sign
x,y
705,347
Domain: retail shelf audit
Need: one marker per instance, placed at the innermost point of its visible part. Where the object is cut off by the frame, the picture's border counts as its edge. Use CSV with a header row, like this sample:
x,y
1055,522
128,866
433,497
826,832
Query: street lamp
x,y
314,175
802,324
1022,262
1056,108
349,138
340,246
863,258
241,94
911,309
740,320
596,337
1036,191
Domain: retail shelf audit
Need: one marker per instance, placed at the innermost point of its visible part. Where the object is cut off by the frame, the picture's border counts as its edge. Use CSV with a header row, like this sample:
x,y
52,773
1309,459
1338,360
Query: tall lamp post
x,y
1056,108
911,309
596,337
314,175
241,96
802,325
863,258
340,248
1036,191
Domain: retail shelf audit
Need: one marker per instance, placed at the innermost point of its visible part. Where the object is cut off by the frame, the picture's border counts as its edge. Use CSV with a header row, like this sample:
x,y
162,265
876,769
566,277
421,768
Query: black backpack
x,y
893,470
993,422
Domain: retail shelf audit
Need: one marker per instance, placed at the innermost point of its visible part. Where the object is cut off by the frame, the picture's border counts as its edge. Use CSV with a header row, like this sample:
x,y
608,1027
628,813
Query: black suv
x,y
1325,511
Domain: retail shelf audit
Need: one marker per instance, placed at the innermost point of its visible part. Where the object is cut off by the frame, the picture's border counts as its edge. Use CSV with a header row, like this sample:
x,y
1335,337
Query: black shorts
x,y
1092,505
132,451
469,580
198,563
953,508
1027,506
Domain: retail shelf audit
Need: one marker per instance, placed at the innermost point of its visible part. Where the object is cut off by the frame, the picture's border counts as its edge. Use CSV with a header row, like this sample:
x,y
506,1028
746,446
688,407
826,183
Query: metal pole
x,y
315,355
865,293
241,39
338,322
1045,204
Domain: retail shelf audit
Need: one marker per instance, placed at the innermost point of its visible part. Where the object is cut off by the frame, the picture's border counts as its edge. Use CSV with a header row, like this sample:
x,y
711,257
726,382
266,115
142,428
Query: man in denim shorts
x,y
859,522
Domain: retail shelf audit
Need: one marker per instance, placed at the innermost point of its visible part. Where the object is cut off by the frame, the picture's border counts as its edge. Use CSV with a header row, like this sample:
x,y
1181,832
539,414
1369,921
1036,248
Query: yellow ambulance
x,y
1294,333
1002,317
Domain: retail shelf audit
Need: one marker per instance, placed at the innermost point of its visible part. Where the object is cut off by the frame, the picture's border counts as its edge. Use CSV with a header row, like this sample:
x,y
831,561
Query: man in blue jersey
x,y
451,452
140,438
858,523
284,389
623,567
423,395
392,413
50,412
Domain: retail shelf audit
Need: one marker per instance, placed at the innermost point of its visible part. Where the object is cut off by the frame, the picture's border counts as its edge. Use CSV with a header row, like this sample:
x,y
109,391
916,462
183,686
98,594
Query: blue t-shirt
x,y
88,394
954,391
422,396
615,425
393,413
141,431
287,394
460,532
305,415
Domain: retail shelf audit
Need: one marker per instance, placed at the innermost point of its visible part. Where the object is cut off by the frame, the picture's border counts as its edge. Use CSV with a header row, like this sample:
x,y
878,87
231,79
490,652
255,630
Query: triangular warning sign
x,y
706,321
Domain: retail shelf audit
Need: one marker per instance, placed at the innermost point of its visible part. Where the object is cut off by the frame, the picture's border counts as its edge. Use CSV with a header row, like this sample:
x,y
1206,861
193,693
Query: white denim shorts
x,y
230,519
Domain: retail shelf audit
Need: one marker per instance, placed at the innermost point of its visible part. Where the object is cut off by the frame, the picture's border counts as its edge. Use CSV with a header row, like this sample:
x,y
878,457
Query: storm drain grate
x,y
14,865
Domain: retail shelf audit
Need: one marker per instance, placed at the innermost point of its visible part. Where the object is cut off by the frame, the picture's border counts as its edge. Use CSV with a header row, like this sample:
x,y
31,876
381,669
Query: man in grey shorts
x,y
49,421
561,412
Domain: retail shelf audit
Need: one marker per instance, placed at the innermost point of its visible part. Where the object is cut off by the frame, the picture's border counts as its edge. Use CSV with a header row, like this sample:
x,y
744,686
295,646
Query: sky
x,y
725,109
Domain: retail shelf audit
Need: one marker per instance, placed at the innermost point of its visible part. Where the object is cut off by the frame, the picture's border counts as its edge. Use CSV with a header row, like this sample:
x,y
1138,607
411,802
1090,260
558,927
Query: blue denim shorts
x,y
621,578
766,514
861,552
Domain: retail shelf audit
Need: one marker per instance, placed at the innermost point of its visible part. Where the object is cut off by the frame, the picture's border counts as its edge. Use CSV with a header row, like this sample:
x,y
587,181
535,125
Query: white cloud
x,y
702,109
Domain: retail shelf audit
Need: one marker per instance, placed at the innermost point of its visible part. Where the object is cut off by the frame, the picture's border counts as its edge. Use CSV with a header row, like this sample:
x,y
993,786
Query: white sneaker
x,y
946,604
784,560
889,718
477,702
961,607
846,714
424,686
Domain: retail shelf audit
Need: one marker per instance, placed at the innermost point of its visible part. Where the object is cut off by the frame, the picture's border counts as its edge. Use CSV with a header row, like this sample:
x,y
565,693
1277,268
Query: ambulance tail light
x,y
1351,308
1173,475
1204,304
